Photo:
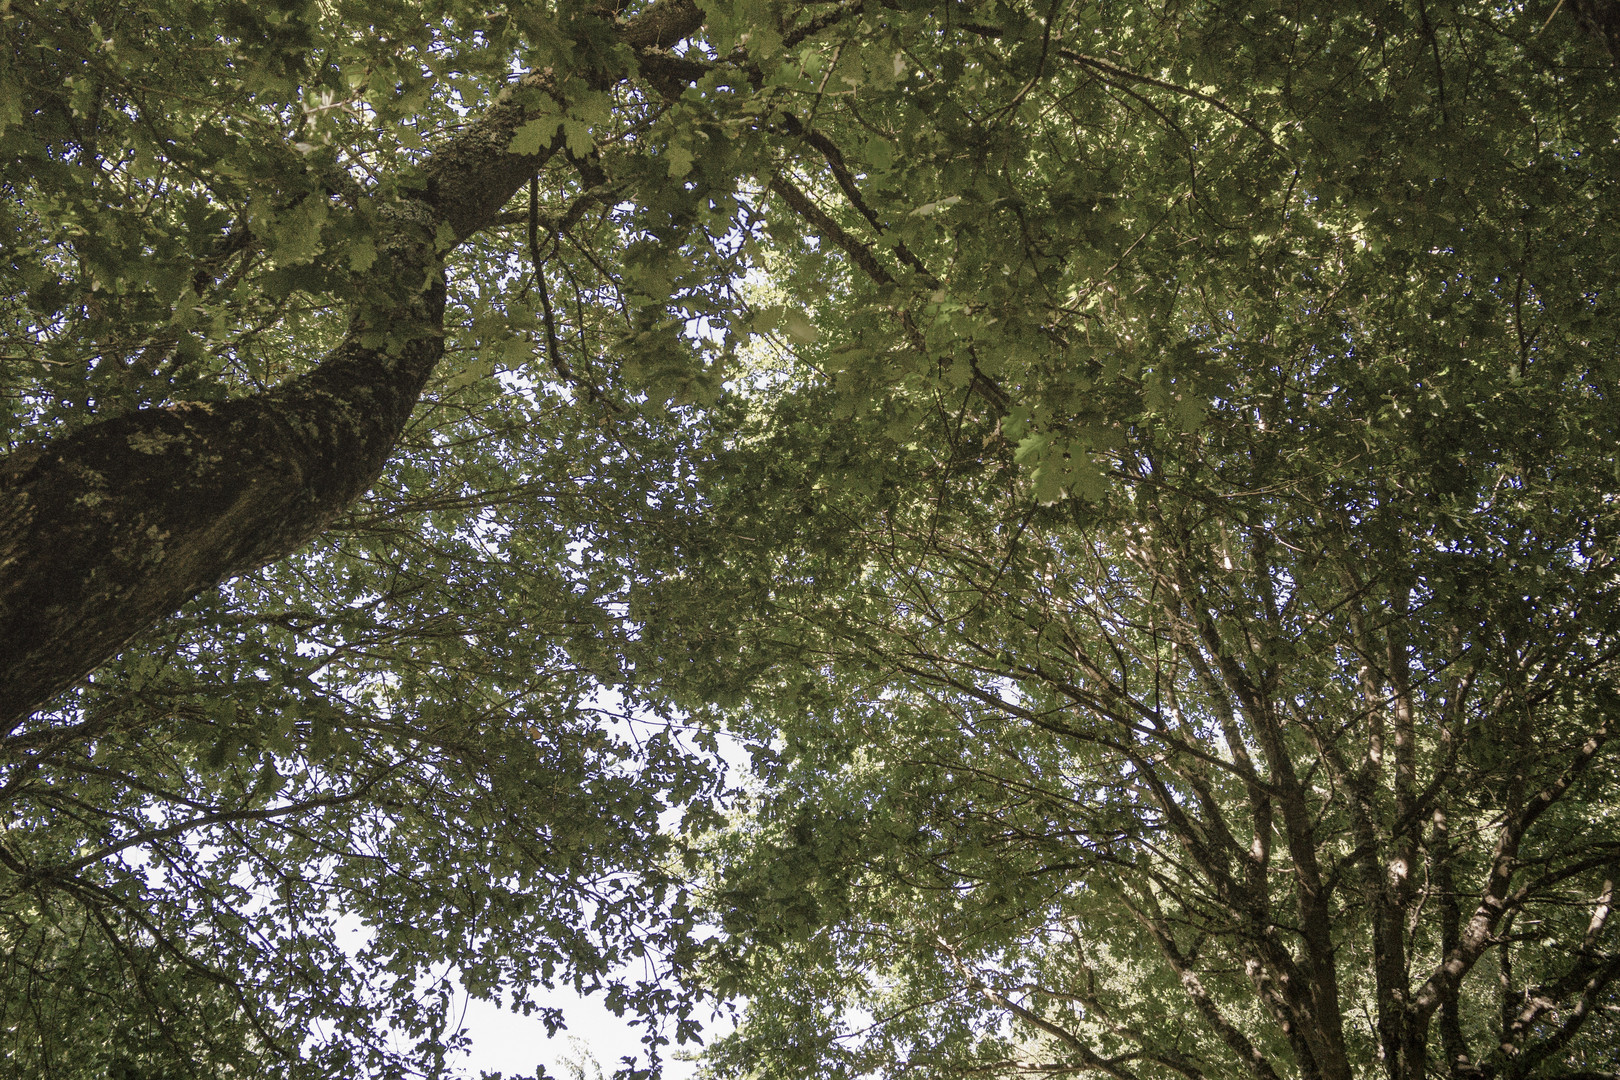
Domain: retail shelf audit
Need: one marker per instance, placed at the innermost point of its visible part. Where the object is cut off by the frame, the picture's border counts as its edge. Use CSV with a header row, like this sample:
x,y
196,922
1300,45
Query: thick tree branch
x,y
1479,932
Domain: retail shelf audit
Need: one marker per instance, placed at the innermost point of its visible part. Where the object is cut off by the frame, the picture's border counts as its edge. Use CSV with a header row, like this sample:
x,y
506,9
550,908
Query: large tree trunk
x,y
107,530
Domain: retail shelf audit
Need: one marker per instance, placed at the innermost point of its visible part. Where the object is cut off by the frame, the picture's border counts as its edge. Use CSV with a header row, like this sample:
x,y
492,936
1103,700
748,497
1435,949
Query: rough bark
x,y
107,530
1601,19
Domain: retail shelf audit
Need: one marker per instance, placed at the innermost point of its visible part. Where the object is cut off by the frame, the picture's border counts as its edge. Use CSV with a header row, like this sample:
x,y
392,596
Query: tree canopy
x,y
1138,479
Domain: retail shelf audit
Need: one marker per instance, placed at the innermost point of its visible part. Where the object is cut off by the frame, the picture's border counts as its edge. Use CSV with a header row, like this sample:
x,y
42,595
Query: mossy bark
x,y
107,530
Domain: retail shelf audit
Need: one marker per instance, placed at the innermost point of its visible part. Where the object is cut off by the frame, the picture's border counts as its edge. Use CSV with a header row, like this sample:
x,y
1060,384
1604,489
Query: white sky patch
x,y
517,1045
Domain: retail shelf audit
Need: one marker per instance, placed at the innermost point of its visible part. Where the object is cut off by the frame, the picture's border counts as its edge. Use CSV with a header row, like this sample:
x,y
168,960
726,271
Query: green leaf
x,y
531,136
799,328
680,160
362,254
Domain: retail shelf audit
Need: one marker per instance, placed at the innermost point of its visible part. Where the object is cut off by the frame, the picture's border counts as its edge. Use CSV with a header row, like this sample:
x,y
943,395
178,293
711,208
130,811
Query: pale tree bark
x,y
109,529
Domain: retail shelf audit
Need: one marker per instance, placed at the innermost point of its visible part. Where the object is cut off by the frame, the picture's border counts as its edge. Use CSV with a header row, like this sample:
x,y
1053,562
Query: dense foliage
x,y
1138,479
